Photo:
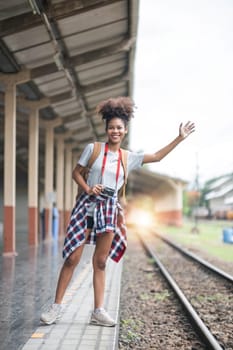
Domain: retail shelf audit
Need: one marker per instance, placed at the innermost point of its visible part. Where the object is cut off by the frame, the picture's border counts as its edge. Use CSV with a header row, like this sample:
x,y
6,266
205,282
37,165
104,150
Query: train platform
x,y
27,287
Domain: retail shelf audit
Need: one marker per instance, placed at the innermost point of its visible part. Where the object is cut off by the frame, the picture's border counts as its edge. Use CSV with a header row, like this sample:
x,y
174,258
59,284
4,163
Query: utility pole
x,y
195,229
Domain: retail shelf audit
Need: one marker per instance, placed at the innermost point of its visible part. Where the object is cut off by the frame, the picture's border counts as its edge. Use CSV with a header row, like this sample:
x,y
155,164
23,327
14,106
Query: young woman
x,y
97,215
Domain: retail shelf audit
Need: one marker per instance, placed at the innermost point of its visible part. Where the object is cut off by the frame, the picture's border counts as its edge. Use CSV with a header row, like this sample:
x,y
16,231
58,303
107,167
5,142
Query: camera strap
x,y
104,162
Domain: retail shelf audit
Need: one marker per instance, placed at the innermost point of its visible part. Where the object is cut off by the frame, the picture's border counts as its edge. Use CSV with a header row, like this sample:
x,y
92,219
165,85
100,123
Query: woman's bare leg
x,y
67,270
103,245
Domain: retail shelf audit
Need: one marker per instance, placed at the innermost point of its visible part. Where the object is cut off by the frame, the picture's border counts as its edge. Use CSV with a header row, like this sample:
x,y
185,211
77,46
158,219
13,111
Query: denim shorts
x,y
90,222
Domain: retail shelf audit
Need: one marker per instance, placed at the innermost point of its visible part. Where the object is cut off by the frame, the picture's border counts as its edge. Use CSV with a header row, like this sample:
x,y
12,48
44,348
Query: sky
x,y
184,71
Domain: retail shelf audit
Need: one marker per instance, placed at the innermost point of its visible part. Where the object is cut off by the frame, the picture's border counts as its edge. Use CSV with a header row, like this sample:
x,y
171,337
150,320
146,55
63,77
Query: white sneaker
x,y
52,315
101,318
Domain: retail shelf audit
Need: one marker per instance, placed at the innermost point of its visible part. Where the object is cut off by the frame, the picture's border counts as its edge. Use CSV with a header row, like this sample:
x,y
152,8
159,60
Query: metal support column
x,y
10,81
68,183
49,174
33,162
60,182
74,185
49,171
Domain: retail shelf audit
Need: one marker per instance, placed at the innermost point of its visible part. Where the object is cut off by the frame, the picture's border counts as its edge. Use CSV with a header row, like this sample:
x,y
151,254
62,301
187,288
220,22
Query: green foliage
x,y
161,296
209,239
187,210
130,330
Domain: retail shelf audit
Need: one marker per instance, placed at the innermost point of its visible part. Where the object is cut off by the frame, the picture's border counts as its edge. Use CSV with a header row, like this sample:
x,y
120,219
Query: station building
x,y
58,59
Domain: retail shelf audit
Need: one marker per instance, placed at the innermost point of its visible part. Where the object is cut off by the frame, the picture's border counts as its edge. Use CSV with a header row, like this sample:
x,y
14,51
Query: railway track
x,y
205,292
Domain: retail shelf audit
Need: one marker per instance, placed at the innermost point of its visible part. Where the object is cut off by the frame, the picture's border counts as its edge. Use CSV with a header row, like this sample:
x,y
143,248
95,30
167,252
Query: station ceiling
x,y
78,53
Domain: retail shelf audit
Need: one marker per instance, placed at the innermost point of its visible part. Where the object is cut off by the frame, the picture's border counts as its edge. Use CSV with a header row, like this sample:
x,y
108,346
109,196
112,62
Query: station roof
x,y
77,54
145,182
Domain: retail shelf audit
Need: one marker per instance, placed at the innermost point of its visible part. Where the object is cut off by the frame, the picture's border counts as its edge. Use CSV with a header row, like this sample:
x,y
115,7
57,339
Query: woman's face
x,y
116,130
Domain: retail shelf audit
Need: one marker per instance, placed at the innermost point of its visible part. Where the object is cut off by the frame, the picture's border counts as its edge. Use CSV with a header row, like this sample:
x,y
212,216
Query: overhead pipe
x,y
38,7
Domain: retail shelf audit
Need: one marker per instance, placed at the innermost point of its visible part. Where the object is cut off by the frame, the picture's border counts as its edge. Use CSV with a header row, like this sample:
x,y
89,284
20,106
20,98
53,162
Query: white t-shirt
x,y
134,161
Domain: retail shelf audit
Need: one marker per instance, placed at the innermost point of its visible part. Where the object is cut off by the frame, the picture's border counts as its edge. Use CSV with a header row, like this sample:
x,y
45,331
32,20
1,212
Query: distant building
x,y
220,197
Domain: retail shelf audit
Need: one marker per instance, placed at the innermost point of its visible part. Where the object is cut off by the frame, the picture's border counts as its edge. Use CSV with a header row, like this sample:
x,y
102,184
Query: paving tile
x,y
22,277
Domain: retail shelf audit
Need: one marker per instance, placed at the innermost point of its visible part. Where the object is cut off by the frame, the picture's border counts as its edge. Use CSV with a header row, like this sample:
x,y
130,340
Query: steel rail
x,y
203,331
196,258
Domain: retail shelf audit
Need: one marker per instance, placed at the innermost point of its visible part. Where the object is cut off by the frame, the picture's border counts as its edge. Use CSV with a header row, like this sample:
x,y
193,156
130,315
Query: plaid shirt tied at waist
x,y
108,216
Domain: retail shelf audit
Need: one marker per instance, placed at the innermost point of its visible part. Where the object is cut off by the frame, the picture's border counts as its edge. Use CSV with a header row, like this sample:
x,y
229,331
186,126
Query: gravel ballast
x,y
151,317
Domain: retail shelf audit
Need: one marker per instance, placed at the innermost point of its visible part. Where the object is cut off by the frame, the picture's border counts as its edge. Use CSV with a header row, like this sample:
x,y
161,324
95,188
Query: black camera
x,y
107,191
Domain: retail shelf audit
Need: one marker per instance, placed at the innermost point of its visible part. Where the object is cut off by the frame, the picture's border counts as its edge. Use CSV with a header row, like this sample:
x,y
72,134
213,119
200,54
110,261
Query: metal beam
x,y
63,96
58,11
105,83
87,57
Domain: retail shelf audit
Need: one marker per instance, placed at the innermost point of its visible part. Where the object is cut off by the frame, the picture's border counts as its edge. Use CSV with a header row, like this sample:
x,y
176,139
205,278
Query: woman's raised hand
x,y
186,130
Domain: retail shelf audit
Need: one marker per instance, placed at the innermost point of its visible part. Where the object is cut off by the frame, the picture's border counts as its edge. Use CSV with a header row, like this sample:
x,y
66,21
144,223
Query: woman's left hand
x,y
186,130
95,190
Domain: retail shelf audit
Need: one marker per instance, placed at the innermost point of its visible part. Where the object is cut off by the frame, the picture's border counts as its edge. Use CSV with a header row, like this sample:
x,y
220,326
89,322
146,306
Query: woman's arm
x,y
184,131
79,179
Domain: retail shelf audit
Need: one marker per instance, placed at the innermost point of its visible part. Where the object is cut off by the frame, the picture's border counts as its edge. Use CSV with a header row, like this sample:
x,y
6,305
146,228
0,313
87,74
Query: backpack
x,y
85,170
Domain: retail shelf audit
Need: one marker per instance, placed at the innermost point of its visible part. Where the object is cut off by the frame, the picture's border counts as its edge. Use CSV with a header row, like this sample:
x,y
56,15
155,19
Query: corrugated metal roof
x,y
78,53
228,200
223,191
218,183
